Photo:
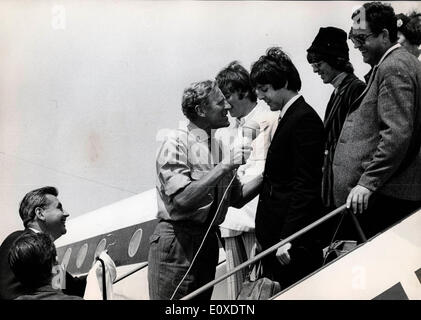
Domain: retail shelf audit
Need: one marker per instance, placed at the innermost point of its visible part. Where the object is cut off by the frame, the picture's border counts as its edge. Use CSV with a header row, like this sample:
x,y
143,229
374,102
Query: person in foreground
x,y
290,196
377,161
237,230
32,258
40,211
196,182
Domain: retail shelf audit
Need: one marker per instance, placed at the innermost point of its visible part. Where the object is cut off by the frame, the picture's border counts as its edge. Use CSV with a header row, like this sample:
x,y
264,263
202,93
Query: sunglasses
x,y
359,38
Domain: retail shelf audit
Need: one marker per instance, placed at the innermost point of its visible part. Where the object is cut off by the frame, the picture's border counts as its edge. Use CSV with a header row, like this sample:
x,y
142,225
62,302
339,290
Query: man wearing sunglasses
x,y
377,162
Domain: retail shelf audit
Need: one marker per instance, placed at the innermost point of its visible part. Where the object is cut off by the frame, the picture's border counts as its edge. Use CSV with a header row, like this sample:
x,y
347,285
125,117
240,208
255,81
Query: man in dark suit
x,y
40,211
290,198
377,162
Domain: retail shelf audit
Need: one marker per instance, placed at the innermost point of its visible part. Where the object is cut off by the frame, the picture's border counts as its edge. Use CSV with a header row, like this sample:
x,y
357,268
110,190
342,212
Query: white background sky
x,y
83,96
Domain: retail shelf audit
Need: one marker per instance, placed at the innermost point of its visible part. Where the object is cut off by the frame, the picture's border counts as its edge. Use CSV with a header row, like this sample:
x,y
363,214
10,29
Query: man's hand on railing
x,y
282,254
357,199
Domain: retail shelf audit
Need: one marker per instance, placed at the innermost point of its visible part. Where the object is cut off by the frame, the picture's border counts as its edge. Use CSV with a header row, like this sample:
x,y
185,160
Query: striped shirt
x,y
337,109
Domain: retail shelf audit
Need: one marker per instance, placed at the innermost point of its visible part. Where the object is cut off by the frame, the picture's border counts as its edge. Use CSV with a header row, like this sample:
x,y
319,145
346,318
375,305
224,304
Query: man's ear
x,y
200,110
386,35
39,213
242,95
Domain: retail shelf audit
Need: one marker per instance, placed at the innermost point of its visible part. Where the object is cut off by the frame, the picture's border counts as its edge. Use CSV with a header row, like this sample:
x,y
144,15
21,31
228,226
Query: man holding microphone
x,y
196,184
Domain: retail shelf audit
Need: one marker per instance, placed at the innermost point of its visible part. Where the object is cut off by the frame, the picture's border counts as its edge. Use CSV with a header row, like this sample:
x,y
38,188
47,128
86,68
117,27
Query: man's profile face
x,y
325,71
216,109
237,109
275,99
55,217
370,45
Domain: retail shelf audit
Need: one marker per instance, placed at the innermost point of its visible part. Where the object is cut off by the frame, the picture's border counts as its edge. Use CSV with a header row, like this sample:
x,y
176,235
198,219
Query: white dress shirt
x,y
240,220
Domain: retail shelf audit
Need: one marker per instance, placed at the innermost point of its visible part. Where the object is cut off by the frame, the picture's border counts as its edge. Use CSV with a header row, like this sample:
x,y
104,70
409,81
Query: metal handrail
x,y
130,273
104,281
273,248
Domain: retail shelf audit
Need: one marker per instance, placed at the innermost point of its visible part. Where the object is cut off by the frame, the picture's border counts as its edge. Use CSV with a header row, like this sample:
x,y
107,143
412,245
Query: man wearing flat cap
x,y
329,57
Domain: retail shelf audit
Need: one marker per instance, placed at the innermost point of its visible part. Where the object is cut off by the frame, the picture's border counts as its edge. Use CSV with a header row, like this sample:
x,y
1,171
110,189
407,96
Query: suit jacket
x,y
11,288
47,293
290,196
379,146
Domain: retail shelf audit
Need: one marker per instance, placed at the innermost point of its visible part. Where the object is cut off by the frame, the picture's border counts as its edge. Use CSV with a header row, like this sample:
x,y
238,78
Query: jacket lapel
x,y
372,75
284,119
357,101
333,104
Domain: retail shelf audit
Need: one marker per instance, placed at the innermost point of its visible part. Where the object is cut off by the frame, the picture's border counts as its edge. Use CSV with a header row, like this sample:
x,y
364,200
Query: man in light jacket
x,y
377,162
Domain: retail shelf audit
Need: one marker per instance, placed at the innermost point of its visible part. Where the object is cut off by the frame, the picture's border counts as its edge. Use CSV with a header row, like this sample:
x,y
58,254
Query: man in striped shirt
x,y
329,57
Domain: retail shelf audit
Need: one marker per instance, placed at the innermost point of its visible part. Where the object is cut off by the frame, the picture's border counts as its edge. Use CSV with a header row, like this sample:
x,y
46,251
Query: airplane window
x,y
66,258
81,255
134,243
100,247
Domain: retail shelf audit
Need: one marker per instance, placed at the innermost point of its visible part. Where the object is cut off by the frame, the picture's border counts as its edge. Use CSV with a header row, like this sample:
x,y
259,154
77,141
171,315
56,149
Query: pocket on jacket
x,y
154,238
161,243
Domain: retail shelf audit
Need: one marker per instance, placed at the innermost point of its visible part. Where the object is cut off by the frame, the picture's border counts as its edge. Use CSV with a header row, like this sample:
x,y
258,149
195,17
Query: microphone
x,y
250,131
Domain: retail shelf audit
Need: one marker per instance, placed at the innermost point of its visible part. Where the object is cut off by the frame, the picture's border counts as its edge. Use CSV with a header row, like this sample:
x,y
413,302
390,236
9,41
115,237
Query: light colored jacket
x,y
378,147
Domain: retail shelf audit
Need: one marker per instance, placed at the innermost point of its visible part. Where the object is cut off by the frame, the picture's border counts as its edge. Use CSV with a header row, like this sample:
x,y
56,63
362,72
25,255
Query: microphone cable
x,y
206,234
254,126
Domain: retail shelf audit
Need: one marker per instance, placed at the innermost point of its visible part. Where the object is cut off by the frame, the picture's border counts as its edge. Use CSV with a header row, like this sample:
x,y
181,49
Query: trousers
x,y
172,248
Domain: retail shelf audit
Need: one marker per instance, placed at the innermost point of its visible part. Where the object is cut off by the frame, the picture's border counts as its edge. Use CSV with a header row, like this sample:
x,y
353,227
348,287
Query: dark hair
x,y
275,68
235,78
31,259
34,199
196,95
411,27
380,16
337,63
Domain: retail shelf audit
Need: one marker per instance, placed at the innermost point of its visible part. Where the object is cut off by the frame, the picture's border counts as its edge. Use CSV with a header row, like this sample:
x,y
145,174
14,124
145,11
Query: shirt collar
x,y
336,82
288,104
241,121
387,52
368,76
34,230
199,134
